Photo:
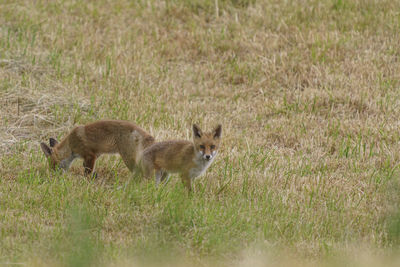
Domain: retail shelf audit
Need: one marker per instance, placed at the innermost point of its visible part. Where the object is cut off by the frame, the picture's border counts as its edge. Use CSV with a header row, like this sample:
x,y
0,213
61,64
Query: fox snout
x,y
208,156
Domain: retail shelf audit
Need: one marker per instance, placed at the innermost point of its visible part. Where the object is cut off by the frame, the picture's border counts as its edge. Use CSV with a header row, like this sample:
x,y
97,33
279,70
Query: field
x,y
308,96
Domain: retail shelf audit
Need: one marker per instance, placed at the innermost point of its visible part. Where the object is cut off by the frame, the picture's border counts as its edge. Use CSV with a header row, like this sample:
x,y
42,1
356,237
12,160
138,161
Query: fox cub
x,y
189,159
91,140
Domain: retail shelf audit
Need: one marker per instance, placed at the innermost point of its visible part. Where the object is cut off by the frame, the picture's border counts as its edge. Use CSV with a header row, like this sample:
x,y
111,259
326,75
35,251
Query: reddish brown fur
x,y
184,157
91,140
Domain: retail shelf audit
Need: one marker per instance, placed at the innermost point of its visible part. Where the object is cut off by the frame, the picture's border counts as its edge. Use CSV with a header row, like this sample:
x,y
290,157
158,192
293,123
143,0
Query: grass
x,y
306,91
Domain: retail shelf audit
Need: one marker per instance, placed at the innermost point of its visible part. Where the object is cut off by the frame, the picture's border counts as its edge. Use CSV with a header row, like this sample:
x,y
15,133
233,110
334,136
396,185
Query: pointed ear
x,y
196,131
46,150
53,142
217,131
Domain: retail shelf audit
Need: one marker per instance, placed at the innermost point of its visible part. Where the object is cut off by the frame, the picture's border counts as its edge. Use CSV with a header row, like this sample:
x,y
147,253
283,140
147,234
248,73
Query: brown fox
x,y
91,140
190,159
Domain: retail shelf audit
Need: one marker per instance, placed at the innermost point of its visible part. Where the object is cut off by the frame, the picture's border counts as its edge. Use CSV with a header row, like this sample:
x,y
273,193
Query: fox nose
x,y
208,157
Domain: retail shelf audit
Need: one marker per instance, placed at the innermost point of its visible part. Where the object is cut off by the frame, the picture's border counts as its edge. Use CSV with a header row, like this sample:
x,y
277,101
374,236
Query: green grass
x,y
306,91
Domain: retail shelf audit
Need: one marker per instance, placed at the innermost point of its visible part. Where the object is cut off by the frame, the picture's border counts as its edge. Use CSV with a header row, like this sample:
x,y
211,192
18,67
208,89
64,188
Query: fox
x,y
189,159
94,139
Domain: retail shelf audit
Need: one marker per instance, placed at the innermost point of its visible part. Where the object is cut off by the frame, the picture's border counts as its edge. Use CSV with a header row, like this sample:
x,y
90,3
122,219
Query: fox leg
x,y
88,164
161,176
164,176
129,162
147,168
130,150
127,155
187,182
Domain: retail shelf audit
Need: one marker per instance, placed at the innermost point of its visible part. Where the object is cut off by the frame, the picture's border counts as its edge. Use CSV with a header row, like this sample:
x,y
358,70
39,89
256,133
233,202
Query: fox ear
x,y
46,150
218,131
196,131
53,142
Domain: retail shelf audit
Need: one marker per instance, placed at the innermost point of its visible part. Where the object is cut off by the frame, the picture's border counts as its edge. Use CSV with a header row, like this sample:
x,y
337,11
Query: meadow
x,y
308,96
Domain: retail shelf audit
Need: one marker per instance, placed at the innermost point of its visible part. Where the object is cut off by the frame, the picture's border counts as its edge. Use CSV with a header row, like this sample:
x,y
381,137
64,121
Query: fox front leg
x,y
187,182
165,177
147,169
88,164
161,176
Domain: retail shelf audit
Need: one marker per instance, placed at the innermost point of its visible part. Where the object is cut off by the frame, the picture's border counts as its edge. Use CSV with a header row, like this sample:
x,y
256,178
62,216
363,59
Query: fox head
x,y
49,152
207,143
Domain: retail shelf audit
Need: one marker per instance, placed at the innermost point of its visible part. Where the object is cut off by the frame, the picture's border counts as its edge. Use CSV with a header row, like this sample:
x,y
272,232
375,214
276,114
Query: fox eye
x,y
202,147
212,146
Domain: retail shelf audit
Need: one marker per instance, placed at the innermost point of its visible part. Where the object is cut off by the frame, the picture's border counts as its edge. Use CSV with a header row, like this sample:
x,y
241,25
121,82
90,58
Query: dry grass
x,y
306,91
